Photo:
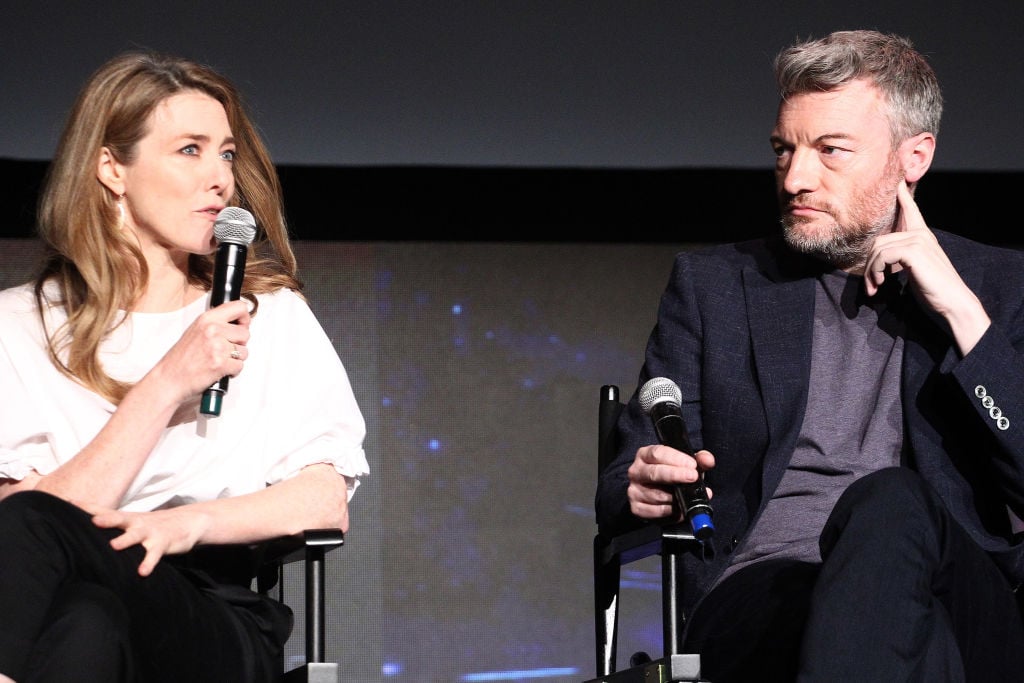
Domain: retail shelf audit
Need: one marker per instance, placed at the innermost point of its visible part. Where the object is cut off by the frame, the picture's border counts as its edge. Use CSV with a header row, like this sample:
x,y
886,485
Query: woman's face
x,y
180,178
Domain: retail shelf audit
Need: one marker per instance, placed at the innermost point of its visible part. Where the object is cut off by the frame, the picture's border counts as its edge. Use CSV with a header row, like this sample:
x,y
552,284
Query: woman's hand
x,y
162,532
213,346
315,498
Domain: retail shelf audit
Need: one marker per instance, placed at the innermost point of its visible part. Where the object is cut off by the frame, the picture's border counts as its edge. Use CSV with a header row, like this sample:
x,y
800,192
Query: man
x,y
854,390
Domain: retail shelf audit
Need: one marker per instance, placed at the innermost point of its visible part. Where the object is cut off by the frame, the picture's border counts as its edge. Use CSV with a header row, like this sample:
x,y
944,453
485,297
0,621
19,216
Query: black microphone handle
x,y
692,498
228,273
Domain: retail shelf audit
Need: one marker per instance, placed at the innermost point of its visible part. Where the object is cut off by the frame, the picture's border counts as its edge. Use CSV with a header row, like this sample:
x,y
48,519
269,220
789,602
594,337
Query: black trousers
x,y
74,609
902,594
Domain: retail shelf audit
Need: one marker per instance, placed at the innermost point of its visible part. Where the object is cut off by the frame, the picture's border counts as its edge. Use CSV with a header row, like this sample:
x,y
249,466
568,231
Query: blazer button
x,y
1003,423
988,401
980,391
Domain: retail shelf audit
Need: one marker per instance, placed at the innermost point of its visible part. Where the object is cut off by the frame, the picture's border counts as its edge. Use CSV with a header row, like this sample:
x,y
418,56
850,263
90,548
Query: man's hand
x,y
913,247
655,470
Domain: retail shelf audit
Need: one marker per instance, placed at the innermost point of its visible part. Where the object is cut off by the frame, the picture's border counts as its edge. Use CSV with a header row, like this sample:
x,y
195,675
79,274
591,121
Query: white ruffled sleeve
x,y
25,375
312,402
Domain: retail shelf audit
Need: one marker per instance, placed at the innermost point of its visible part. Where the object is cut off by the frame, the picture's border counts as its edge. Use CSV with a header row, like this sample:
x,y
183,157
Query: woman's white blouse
x,y
291,406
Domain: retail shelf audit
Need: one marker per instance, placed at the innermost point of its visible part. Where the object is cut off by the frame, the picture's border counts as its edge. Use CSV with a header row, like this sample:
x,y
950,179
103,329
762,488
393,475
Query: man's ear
x,y
916,154
110,172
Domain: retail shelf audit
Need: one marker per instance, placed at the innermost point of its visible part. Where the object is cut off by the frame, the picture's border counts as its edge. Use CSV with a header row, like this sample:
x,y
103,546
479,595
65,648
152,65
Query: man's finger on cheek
x,y
910,215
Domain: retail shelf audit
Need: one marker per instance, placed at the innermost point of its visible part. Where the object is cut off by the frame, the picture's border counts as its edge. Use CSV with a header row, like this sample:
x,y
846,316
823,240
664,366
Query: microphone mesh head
x,y
659,390
234,225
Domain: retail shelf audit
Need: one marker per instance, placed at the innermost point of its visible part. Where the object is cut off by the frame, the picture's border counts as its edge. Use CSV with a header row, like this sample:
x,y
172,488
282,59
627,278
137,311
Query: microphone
x,y
660,398
235,230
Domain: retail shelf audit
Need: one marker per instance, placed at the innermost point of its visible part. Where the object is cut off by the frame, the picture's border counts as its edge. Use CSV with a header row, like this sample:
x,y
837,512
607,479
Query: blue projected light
x,y
521,675
463,396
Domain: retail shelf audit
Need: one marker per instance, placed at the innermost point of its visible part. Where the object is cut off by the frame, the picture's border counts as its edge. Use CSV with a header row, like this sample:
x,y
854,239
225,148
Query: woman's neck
x,y
168,288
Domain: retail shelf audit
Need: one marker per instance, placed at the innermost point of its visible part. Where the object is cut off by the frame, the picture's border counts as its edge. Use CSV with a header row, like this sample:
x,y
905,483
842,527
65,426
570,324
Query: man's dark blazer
x,y
734,332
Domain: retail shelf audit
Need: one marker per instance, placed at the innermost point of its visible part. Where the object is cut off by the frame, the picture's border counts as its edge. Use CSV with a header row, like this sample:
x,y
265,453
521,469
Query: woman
x,y
115,490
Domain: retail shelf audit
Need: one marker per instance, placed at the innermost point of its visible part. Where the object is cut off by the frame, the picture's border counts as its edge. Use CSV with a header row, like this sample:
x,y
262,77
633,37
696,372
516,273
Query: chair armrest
x,y
284,550
630,546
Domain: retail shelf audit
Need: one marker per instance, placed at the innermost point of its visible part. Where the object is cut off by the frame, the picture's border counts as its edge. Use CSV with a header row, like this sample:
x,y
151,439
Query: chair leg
x,y
316,672
606,614
671,631
315,618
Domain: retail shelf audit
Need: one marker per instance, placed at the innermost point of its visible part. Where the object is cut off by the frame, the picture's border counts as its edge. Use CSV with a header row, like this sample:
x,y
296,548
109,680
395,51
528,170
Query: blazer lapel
x,y
781,319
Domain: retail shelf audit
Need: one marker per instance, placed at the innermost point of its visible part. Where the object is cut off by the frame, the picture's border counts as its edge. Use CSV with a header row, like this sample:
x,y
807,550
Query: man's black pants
x,y
902,594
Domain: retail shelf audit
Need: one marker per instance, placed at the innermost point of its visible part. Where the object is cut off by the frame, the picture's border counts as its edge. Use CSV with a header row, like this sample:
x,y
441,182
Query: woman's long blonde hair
x,y
95,268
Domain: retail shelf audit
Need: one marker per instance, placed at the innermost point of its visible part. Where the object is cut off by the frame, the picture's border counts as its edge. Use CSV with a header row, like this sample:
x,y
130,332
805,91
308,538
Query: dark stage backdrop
x,y
565,83
478,367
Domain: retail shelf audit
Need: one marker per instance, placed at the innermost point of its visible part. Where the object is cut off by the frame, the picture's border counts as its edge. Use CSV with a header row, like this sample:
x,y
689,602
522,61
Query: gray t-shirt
x,y
853,424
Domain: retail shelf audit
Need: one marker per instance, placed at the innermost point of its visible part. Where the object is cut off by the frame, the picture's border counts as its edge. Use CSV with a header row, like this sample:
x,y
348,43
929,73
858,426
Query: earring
x,y
121,213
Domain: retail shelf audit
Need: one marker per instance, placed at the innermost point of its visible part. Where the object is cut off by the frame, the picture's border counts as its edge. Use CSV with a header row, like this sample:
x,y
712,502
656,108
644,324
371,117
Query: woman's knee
x,y
24,505
87,629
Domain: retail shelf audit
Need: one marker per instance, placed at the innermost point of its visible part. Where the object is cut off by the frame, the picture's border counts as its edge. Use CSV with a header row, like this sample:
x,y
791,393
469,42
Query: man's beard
x,y
843,246
846,246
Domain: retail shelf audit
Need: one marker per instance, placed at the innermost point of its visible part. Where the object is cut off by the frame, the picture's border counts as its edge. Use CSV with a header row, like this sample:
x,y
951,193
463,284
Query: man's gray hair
x,y
888,61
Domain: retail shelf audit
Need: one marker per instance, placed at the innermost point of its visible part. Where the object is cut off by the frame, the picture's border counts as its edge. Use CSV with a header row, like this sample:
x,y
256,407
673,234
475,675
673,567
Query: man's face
x,y
836,172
